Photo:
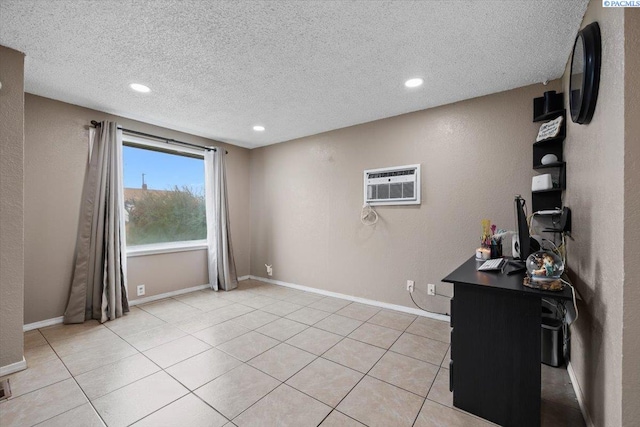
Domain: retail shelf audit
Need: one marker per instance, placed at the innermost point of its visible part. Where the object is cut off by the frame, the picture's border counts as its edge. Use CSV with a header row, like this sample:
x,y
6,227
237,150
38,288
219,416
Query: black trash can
x,y
552,342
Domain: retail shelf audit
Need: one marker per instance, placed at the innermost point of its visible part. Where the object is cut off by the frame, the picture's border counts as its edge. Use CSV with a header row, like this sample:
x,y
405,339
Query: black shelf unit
x,y
551,190
549,141
547,116
546,108
551,165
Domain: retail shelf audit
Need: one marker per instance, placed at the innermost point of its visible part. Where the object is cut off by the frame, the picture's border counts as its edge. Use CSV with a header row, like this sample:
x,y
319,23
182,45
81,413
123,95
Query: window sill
x,y
166,248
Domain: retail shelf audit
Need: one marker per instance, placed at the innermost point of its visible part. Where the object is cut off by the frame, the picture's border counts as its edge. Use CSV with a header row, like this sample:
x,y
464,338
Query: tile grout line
x,y
160,369
254,309
367,373
332,361
335,410
71,376
280,383
49,385
177,327
241,361
288,378
146,376
284,382
76,382
250,406
427,396
364,376
402,354
431,386
343,337
387,350
280,317
274,389
121,387
207,403
164,406
192,335
435,339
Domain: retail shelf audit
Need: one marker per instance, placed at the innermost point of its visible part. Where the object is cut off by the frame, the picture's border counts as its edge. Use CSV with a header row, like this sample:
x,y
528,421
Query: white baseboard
x,y
175,293
42,324
375,303
579,396
59,320
401,308
167,295
13,367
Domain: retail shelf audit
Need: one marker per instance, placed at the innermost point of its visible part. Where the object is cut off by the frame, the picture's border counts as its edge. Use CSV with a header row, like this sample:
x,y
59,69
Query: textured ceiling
x,y
296,67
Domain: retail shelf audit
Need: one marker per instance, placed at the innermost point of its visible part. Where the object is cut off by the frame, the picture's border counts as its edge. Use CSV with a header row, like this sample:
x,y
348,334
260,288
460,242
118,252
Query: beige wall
x,y
631,319
11,204
595,193
55,160
169,272
306,197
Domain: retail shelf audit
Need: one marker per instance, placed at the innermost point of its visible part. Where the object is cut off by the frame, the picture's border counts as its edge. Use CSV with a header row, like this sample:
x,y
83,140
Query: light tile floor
x,y
261,355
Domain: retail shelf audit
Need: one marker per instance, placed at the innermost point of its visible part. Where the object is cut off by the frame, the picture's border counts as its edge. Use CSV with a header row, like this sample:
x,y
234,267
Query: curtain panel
x,y
99,285
222,267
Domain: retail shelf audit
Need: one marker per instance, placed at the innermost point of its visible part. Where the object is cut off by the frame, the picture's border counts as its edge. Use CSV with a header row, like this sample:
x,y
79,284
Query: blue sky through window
x,y
162,171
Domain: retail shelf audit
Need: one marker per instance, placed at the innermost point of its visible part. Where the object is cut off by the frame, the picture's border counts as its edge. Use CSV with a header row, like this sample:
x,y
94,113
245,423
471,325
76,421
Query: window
x,y
164,196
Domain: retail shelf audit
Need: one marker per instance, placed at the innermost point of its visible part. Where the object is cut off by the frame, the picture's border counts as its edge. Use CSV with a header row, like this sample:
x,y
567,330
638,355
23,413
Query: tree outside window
x,y
168,204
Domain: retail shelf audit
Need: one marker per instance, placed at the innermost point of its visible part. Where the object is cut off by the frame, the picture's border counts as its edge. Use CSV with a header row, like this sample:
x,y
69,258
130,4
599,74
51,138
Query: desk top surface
x,y
468,274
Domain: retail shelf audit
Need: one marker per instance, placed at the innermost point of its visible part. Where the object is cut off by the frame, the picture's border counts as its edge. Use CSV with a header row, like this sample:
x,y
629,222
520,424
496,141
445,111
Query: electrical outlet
x,y
140,289
269,269
431,289
410,285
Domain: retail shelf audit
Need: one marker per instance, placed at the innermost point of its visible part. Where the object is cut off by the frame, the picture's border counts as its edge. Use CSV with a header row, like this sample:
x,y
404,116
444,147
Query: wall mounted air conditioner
x,y
398,185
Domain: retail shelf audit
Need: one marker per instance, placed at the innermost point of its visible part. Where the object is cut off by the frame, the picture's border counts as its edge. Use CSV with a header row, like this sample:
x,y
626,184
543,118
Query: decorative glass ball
x,y
544,266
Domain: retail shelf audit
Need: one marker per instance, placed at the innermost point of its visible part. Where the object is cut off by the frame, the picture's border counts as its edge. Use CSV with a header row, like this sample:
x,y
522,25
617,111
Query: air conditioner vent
x,y
398,185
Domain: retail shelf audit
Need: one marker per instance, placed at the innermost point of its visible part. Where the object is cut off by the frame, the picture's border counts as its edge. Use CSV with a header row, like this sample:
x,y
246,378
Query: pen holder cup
x,y
496,250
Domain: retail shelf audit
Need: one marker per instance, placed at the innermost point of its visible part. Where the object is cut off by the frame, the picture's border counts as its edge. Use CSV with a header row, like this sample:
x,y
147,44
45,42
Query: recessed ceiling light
x,y
139,88
414,82
258,128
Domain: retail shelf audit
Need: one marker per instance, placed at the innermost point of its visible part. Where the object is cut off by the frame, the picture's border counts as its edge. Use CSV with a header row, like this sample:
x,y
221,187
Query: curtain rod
x,y
167,140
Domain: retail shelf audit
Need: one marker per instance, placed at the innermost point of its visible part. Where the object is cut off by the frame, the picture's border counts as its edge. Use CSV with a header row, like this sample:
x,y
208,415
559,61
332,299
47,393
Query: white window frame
x,y
165,247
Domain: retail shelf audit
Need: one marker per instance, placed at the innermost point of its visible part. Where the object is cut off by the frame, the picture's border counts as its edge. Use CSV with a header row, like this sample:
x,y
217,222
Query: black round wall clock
x,y
585,73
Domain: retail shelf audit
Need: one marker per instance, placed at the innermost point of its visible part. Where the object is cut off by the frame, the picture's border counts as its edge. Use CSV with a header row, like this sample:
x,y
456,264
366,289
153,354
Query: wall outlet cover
x,y
431,289
141,290
410,285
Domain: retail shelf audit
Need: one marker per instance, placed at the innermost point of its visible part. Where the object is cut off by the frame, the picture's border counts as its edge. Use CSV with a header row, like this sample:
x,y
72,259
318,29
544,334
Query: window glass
x,y
164,196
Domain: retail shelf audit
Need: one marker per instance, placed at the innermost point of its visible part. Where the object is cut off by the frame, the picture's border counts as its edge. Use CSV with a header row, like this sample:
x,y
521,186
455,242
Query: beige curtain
x,y
222,267
99,284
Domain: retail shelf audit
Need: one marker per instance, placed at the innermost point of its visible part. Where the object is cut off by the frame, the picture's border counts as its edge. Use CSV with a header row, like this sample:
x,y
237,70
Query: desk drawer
x,y
451,375
451,305
451,341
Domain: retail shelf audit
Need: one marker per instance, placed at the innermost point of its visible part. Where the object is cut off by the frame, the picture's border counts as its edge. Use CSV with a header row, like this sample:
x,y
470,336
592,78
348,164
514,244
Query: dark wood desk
x,y
495,344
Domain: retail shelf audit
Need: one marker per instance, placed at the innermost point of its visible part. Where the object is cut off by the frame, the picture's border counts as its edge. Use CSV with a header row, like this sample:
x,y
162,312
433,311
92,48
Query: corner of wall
x,y
595,155
11,209
631,315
